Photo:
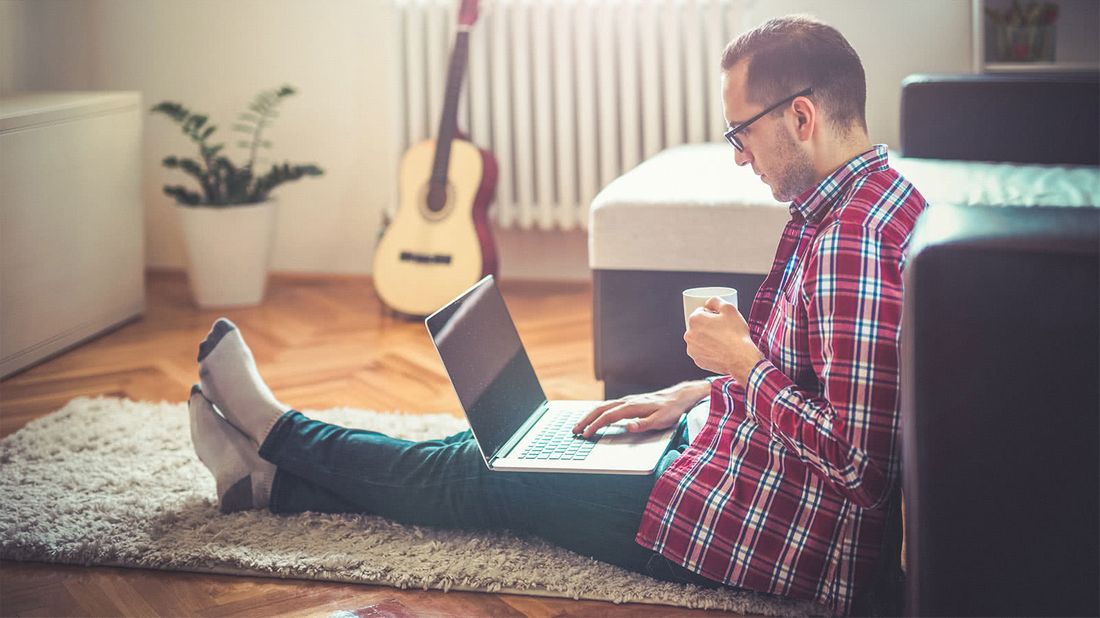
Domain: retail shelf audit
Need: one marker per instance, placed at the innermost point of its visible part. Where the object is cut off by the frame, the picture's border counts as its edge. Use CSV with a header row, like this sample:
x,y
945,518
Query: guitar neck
x,y
448,124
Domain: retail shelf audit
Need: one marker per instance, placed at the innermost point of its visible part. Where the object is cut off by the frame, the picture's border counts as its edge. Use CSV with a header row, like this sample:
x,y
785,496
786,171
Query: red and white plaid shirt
x,y
783,490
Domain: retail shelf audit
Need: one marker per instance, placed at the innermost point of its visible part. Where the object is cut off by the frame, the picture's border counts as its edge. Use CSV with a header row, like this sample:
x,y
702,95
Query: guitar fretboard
x,y
448,124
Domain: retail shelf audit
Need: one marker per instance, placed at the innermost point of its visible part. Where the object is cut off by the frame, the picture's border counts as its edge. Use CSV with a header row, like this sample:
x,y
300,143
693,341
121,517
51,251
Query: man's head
x,y
804,137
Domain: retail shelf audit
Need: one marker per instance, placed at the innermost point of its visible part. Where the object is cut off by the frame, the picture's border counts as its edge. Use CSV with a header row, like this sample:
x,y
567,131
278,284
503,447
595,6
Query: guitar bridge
x,y
423,258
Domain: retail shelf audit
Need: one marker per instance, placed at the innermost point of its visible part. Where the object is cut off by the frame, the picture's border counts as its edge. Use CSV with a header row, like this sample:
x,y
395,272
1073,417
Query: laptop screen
x,y
482,352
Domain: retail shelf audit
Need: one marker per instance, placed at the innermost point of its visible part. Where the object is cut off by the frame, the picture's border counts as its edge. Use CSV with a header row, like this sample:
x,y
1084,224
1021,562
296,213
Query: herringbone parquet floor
x,y
319,343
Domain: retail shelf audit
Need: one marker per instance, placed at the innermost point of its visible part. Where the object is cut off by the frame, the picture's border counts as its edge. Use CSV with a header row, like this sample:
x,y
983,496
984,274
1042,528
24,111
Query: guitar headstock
x,y
467,13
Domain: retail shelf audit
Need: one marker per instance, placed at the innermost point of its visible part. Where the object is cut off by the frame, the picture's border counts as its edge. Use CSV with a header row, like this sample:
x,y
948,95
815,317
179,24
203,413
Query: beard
x,y
797,174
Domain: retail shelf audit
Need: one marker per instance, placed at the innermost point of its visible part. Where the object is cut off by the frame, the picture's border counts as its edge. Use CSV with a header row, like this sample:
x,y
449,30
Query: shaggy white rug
x,y
111,481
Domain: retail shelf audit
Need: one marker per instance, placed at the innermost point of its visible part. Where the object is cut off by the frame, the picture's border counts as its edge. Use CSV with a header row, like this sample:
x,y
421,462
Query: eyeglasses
x,y
731,135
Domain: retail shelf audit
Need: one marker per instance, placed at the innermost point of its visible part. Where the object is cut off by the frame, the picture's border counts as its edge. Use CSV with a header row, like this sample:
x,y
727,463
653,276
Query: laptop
x,y
514,425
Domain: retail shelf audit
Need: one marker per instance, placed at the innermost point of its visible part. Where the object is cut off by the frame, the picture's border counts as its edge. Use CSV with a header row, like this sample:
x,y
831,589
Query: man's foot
x,y
242,477
230,379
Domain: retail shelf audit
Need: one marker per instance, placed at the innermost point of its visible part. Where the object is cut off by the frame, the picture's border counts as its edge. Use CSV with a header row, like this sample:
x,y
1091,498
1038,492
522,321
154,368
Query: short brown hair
x,y
787,54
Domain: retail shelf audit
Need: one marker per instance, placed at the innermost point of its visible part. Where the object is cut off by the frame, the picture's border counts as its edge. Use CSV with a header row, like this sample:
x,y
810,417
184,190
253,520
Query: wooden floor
x,y
319,343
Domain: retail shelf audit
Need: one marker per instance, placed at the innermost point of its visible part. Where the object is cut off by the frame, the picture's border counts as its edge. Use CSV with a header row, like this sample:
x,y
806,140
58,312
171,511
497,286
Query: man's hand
x,y
718,340
659,410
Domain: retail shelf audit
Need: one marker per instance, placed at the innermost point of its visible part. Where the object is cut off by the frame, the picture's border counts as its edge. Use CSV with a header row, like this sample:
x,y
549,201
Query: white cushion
x,y
975,183
688,208
691,208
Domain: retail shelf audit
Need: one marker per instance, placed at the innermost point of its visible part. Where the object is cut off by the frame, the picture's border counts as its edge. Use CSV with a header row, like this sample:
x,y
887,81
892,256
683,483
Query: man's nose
x,y
742,157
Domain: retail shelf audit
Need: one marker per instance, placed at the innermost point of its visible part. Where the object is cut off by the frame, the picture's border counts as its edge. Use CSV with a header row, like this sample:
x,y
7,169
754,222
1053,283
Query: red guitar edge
x,y
480,210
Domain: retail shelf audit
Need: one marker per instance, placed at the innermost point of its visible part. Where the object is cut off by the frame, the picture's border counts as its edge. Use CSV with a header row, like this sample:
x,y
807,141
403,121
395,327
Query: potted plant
x,y
229,223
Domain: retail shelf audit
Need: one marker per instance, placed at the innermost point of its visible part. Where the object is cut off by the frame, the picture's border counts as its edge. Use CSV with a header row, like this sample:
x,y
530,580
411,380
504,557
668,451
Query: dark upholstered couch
x,y
1001,373
1001,412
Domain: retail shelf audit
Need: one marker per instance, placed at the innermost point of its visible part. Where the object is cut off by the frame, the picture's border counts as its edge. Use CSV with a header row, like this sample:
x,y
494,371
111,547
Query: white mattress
x,y
691,208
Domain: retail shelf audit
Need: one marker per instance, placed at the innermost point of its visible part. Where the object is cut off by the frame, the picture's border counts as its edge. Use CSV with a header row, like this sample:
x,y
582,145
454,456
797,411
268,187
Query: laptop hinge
x,y
507,447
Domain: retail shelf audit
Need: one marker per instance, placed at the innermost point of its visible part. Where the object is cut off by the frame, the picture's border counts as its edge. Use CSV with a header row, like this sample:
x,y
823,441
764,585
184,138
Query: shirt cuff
x,y
762,393
718,385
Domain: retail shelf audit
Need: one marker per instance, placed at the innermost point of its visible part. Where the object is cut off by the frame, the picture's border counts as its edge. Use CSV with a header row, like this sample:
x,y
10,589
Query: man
x,y
783,490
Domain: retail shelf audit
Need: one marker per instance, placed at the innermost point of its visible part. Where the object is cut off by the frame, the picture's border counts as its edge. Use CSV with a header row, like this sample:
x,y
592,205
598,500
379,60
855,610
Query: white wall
x,y
214,55
44,45
13,27
894,39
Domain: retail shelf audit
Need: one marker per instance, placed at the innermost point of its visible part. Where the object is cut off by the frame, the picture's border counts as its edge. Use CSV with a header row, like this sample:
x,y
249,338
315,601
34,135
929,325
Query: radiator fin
x,y
568,94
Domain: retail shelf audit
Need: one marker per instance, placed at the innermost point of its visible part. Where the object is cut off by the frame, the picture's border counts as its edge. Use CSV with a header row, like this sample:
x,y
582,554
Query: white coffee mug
x,y
697,297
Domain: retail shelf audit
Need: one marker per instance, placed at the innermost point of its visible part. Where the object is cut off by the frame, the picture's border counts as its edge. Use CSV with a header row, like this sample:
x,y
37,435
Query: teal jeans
x,y
445,483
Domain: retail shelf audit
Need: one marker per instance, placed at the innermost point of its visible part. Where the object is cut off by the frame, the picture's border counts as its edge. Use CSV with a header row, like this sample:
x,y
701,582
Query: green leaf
x,y
175,111
182,195
193,168
209,151
223,183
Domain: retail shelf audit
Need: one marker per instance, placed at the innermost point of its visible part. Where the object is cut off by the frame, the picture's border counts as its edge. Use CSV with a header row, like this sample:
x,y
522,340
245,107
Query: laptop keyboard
x,y
556,442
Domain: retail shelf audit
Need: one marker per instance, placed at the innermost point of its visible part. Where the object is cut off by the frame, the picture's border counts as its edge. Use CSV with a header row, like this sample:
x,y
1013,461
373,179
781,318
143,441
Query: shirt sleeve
x,y
847,429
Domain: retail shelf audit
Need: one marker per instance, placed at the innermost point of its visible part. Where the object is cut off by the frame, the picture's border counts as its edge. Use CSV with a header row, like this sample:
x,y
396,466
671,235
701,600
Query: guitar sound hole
x,y
437,197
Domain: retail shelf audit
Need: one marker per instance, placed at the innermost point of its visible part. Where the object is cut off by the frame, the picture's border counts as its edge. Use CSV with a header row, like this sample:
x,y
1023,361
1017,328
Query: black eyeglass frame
x,y
731,134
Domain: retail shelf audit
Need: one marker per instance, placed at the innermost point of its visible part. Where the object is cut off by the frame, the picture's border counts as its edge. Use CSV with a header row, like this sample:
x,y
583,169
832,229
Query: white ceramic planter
x,y
228,250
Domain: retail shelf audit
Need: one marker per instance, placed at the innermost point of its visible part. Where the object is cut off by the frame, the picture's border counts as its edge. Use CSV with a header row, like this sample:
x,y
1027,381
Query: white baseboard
x,y
527,255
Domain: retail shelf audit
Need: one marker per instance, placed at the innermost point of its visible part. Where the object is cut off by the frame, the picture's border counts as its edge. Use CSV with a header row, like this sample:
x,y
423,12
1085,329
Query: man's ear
x,y
805,118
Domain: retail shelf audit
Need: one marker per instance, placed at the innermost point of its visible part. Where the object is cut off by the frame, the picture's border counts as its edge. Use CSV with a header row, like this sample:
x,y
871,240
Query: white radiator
x,y
568,94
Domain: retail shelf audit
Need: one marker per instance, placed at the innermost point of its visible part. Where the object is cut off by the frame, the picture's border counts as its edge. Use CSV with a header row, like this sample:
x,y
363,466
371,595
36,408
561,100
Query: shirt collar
x,y
815,202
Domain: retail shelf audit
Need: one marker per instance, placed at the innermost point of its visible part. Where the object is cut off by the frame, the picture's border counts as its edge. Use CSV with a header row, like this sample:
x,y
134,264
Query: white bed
x,y
689,217
691,208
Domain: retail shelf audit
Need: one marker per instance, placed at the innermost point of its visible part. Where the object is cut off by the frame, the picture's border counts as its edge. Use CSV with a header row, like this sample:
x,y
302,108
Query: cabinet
x,y
1075,38
71,220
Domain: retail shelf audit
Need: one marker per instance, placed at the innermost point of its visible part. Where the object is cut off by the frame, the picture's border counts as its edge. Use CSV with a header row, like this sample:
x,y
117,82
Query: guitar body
x,y
439,243
427,256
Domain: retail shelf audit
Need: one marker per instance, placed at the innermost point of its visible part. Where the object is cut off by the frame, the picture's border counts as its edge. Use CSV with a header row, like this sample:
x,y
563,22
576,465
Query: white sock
x,y
242,477
230,379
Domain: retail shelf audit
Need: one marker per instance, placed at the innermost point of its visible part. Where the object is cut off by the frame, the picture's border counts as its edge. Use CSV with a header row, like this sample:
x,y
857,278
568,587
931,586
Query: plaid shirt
x,y
783,490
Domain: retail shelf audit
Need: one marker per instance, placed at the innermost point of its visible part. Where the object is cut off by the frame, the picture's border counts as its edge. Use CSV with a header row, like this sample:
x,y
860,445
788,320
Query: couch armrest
x,y
1000,339
1030,118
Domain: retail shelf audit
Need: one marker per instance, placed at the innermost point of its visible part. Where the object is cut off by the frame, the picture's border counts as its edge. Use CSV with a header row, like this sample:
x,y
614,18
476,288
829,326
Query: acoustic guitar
x,y
439,242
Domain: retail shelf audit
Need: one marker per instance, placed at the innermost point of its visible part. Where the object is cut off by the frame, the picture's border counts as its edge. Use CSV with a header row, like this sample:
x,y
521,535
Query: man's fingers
x,y
717,304
615,414
596,412
693,318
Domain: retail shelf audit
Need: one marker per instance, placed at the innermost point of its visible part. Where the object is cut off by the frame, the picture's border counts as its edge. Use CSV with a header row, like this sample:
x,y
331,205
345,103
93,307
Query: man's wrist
x,y
693,390
742,367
